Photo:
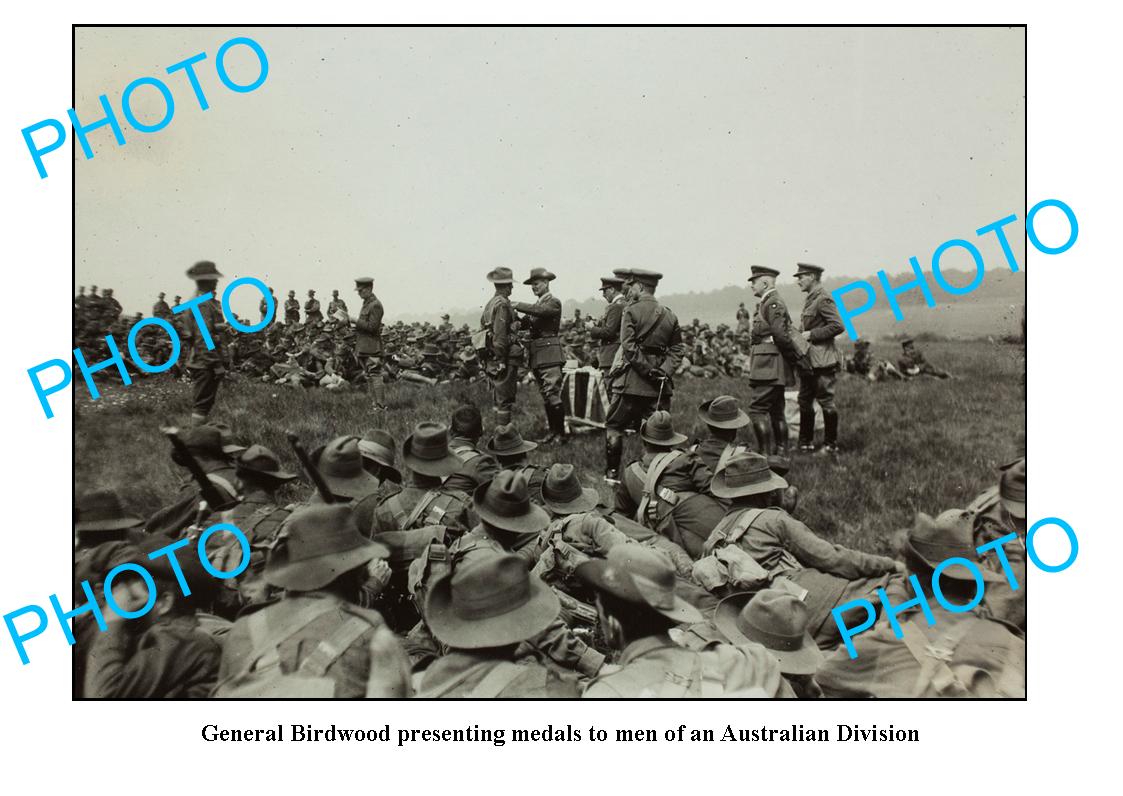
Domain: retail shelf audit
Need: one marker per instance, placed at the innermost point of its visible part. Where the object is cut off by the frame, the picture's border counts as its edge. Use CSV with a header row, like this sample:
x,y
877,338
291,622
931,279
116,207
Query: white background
x,y
1060,738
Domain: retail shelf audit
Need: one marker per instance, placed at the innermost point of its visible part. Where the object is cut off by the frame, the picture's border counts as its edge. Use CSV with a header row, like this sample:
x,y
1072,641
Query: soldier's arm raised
x,y
551,308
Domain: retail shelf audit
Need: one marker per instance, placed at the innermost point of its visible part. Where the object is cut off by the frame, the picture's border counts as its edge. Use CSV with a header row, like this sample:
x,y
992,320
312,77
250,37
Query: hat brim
x,y
315,573
740,421
526,621
807,272
676,439
276,475
524,447
354,487
956,572
500,280
1016,508
602,575
441,468
116,524
805,660
547,276
719,488
231,449
533,521
588,501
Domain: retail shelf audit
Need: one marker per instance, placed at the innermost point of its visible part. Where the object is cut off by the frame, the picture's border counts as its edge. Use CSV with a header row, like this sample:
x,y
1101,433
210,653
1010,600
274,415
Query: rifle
x,y
313,474
207,488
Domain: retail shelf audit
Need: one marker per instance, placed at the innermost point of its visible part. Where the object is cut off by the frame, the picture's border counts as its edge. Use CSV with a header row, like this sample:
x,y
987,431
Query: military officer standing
x,y
546,358
821,324
161,309
312,312
774,355
497,346
292,309
651,350
607,330
368,339
205,363
336,303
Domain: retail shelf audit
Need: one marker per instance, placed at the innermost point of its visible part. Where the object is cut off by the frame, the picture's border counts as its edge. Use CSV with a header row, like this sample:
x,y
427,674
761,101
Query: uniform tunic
x,y
772,358
460,673
650,338
820,317
607,332
546,358
173,659
503,352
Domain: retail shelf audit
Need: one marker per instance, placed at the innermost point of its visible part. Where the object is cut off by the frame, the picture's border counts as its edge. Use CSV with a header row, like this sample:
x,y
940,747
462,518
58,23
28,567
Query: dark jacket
x,y
368,328
607,331
172,659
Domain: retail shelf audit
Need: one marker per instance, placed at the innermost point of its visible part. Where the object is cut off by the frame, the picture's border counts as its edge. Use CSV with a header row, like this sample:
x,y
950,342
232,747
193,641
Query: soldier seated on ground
x,y
482,612
162,654
860,363
638,607
912,362
510,450
476,466
961,654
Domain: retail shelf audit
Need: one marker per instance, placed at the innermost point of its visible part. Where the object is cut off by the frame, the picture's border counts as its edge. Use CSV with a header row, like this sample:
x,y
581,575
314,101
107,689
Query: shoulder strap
x,y
222,482
659,313
332,648
496,680
266,636
731,528
650,479
934,658
419,508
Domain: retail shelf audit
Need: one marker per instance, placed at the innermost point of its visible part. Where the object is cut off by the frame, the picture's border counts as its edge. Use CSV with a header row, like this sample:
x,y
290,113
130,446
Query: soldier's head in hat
x,y
378,450
611,287
205,274
364,286
907,343
178,299
320,548
108,292
658,433
539,281
93,290
636,597
311,293
931,541
259,470
1012,493
427,456
644,281
335,294
762,279
508,446
808,275
625,277
99,517
292,294
445,317
723,416
81,290
747,479
161,296
503,280
506,511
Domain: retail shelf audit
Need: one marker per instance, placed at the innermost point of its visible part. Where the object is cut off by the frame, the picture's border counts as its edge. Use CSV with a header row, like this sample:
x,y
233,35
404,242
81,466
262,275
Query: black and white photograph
x,y
533,362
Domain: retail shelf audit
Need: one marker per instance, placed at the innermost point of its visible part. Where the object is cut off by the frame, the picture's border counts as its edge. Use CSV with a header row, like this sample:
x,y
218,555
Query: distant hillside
x,y
994,308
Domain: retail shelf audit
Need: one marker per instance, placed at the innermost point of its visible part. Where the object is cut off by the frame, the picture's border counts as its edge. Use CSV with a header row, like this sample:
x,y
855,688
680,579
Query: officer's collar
x,y
645,297
767,293
618,299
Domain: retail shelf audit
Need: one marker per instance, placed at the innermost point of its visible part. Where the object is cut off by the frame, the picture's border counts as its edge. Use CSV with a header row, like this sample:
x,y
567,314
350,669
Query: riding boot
x,y
781,440
806,429
830,428
613,453
557,423
762,428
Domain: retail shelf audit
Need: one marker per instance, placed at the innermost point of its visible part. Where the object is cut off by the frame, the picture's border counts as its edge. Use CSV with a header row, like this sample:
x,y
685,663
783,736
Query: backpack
x,y
262,678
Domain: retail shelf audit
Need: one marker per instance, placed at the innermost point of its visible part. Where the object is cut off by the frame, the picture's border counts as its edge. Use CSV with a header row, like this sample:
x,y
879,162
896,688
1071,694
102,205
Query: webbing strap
x,y
329,650
659,465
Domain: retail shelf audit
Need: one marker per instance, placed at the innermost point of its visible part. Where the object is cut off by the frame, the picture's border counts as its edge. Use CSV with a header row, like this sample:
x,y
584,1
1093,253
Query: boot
x,y
555,419
613,453
376,393
806,430
781,440
830,431
762,428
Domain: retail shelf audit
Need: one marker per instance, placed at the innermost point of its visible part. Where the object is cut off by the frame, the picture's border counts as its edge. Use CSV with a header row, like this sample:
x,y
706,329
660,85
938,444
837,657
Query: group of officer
x,y
642,348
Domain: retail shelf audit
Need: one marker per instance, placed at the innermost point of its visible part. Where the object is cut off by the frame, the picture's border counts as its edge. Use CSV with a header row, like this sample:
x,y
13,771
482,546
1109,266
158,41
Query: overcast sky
x,y
426,157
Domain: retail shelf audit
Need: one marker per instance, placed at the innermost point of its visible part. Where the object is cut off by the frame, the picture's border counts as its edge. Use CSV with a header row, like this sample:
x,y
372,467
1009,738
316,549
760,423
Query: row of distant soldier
x,y
320,349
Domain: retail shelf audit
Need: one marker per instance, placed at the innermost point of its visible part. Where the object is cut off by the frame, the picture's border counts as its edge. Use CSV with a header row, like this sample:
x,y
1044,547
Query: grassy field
x,y
924,445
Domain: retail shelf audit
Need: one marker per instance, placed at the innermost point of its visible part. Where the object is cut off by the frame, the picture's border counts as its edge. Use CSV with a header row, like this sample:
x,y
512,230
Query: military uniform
x,y
470,674
545,356
607,332
368,338
962,655
292,311
819,317
161,309
771,368
476,466
502,352
651,350
349,670
831,574
312,312
206,367
679,506
335,304
172,659
656,667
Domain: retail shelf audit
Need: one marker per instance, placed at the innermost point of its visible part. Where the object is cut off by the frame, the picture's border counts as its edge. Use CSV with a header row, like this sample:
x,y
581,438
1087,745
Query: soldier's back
x,y
462,674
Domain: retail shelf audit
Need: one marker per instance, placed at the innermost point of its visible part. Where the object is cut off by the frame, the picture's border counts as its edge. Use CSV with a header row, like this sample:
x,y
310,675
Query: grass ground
x,y
924,445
